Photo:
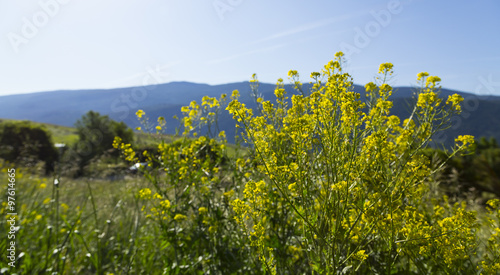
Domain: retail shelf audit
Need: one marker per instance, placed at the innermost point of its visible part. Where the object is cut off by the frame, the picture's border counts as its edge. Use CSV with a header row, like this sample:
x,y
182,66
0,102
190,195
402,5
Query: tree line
x,y
26,144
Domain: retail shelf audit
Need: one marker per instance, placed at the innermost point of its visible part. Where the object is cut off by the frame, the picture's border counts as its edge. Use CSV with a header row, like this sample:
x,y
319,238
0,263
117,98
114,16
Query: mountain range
x,y
480,116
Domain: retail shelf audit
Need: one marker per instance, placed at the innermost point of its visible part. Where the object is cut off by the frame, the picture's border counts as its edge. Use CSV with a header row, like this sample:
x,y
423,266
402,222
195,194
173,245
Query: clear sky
x,y
68,44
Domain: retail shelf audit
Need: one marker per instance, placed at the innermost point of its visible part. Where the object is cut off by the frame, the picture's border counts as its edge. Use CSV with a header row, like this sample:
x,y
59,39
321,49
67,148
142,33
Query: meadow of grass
x,y
328,183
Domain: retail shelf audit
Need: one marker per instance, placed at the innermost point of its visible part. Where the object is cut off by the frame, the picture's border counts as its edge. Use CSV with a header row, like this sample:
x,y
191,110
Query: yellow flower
x,y
65,207
145,193
179,217
235,95
165,204
229,193
455,101
293,73
385,68
432,81
315,75
422,75
212,229
494,203
254,79
427,99
42,186
370,87
393,121
117,142
158,128
140,113
465,139
202,210
360,255
279,92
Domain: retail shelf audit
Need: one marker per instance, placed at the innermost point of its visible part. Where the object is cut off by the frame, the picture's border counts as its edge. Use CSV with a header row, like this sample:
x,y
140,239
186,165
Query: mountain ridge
x,y
65,107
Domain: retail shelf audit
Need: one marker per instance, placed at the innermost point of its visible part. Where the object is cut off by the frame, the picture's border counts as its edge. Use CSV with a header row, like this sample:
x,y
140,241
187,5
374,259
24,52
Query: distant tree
x,y
96,134
486,144
26,144
476,174
483,168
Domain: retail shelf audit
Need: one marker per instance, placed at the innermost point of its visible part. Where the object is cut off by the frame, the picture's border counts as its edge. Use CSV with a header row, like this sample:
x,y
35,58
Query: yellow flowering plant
x,y
349,178
189,194
204,116
331,182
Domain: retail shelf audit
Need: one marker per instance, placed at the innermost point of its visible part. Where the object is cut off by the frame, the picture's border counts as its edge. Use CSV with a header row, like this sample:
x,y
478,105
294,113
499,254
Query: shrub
x,y
331,184
347,180
95,138
189,197
25,144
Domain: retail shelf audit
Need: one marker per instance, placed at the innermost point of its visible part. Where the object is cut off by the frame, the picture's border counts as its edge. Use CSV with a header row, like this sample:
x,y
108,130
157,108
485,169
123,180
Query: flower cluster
x,y
330,181
350,177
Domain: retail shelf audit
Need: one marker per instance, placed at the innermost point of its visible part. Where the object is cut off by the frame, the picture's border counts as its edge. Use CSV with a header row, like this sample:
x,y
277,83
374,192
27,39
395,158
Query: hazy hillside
x,y
481,115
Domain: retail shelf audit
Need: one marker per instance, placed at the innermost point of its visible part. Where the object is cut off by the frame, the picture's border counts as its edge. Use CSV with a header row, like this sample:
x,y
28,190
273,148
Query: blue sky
x,y
67,44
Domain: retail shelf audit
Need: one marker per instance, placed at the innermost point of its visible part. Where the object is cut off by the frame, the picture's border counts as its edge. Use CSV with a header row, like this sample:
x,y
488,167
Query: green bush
x,y
95,139
25,144
344,186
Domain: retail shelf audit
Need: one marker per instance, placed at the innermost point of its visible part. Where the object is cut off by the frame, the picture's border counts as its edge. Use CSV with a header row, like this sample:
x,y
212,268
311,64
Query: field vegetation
x,y
321,181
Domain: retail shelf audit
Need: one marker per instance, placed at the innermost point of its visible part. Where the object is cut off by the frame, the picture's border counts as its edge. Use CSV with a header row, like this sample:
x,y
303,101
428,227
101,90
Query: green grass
x,y
82,226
